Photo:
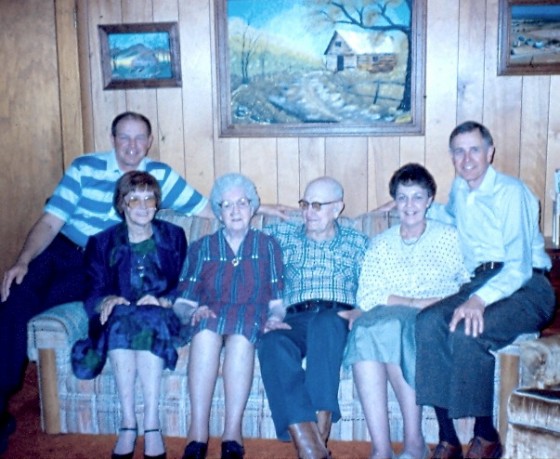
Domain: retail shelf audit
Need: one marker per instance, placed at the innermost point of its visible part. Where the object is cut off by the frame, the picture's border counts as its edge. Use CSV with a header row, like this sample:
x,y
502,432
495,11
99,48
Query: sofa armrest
x,y
541,362
56,328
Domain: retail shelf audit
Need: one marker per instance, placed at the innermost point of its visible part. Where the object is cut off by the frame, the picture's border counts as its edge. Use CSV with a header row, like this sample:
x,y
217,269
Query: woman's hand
x,y
151,300
202,312
350,315
107,305
275,323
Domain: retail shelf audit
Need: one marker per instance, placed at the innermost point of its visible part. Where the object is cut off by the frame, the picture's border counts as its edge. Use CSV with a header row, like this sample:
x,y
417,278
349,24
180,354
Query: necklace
x,y
412,240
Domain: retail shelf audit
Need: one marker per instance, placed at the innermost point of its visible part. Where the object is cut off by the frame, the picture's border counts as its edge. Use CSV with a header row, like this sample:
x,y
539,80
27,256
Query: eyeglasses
x,y
134,202
304,205
242,203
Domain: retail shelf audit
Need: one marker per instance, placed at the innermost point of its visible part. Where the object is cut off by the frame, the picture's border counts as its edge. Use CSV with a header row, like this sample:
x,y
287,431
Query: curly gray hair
x,y
227,182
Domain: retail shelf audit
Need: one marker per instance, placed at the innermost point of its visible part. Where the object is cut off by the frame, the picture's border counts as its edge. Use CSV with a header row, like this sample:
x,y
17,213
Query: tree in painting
x,y
371,15
319,61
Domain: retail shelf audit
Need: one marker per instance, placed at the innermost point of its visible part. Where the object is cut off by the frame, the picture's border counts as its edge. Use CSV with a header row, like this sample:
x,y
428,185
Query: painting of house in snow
x,y
360,50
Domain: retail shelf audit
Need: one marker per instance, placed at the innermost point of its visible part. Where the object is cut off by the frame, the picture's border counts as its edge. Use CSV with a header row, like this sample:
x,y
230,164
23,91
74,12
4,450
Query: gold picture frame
x,y
289,69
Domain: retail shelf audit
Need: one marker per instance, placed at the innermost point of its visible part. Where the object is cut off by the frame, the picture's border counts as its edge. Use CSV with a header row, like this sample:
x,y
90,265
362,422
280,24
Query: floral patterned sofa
x,y
70,405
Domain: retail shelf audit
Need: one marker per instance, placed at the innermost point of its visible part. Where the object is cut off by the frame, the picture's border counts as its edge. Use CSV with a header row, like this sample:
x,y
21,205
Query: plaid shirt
x,y
327,270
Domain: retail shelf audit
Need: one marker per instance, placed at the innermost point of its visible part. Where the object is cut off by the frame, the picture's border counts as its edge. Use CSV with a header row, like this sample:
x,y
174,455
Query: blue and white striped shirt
x,y
83,198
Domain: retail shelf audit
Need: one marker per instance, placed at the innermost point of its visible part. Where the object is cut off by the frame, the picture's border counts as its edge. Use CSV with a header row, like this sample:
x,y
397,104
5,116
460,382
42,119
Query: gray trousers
x,y
455,371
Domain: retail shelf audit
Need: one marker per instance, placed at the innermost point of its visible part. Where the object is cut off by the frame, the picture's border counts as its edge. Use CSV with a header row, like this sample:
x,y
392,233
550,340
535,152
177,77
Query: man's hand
x,y
40,236
278,210
15,273
387,207
350,315
107,305
472,312
202,312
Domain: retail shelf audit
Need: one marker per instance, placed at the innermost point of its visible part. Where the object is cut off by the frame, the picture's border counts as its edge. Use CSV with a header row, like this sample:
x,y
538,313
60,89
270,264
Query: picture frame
x,y
143,55
529,37
288,69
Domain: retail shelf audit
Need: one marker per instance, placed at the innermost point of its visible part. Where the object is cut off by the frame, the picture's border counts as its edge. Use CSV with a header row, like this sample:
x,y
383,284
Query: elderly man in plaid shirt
x,y
322,262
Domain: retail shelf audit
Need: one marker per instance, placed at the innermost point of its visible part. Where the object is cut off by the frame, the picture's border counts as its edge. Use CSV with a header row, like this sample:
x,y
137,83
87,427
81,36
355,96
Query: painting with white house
x,y
351,64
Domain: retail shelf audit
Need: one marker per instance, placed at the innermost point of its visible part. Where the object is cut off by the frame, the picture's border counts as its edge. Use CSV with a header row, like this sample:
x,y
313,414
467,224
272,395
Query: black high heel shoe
x,y
195,450
159,456
232,450
127,455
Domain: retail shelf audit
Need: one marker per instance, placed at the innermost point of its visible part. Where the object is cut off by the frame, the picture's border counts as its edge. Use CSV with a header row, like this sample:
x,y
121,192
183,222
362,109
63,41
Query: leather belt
x,y
316,305
488,266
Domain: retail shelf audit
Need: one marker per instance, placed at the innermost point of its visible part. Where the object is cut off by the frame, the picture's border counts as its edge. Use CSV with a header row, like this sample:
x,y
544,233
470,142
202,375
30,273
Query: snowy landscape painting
x,y
320,67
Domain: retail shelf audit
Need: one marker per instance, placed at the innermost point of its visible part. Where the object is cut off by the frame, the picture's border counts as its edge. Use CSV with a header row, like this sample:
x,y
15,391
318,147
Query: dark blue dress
x,y
118,267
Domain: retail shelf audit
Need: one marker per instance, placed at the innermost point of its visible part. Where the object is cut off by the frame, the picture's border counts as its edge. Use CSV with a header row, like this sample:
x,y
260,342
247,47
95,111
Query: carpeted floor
x,y
30,442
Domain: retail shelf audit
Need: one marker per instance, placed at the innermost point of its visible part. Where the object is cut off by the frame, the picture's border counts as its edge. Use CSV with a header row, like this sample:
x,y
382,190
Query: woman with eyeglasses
x,y
406,268
230,282
133,271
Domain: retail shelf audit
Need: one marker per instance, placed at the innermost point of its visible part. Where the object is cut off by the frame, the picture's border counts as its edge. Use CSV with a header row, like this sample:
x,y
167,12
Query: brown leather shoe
x,y
479,448
308,441
446,450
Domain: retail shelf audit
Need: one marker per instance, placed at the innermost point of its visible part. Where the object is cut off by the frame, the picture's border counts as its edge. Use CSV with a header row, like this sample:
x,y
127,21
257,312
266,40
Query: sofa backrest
x,y
370,223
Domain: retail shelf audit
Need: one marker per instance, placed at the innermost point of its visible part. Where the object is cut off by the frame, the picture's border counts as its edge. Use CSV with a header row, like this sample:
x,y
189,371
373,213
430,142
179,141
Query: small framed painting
x,y
140,55
529,37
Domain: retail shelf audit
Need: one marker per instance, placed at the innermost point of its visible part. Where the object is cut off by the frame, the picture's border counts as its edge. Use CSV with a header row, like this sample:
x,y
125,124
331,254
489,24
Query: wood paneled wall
x,y
461,84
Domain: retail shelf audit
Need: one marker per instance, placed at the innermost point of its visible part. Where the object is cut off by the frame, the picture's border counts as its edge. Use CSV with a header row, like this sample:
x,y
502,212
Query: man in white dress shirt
x,y
497,218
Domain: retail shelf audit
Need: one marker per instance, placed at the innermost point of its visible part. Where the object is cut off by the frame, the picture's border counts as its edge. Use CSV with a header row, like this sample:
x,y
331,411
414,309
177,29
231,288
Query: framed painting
x,y
320,67
140,55
529,37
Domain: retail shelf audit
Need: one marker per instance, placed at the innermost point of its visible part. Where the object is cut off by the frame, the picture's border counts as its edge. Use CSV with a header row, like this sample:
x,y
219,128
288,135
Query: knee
x,y
271,345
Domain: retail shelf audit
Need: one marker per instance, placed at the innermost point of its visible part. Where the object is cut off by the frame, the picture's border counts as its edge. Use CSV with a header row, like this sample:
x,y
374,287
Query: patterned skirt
x,y
235,319
137,328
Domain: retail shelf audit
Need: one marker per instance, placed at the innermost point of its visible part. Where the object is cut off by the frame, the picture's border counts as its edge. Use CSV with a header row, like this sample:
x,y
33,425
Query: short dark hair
x,y
130,116
135,181
470,126
413,174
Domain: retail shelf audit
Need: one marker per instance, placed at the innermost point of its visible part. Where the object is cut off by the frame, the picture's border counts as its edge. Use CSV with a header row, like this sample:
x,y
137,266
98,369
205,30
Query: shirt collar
x,y
113,165
487,184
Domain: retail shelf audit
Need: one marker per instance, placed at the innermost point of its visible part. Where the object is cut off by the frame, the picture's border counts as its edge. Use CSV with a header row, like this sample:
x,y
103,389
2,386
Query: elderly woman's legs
x,y
126,364
238,377
371,381
204,361
150,369
414,443
124,369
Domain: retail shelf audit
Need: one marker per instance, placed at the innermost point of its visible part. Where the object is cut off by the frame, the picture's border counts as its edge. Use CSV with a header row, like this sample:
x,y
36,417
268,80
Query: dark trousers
x,y
55,276
455,371
296,394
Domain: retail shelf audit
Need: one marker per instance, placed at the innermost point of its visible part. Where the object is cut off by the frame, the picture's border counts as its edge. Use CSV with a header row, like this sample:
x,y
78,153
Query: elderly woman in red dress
x,y
229,282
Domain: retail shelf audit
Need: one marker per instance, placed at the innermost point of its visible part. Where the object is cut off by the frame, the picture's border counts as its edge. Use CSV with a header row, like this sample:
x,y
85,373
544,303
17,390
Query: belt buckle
x,y
312,306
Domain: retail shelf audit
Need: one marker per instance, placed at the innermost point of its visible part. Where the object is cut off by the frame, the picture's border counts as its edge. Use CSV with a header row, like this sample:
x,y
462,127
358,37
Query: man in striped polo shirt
x,y
49,269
